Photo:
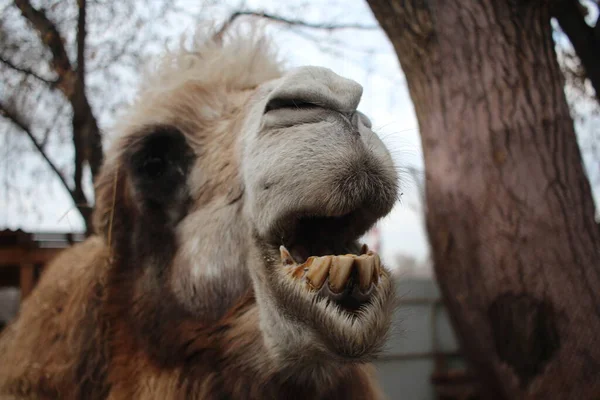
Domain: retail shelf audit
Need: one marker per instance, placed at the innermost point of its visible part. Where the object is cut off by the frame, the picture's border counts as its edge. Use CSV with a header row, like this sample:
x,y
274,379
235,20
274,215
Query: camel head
x,y
230,175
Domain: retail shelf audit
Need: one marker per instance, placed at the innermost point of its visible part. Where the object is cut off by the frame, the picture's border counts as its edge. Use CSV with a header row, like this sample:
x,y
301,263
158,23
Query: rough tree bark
x,y
510,213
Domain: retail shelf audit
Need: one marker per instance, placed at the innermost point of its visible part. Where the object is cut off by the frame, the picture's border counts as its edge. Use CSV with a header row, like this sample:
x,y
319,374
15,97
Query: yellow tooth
x,y
298,272
341,267
317,272
376,267
286,257
365,265
364,249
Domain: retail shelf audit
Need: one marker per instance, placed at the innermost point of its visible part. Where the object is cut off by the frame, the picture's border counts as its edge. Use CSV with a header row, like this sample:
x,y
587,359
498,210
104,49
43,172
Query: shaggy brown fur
x,y
63,346
171,299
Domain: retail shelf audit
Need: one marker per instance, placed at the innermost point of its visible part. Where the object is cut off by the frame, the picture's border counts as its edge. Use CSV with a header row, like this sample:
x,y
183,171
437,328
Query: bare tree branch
x,y
12,117
81,34
49,34
87,140
77,195
27,71
289,22
79,138
89,145
51,128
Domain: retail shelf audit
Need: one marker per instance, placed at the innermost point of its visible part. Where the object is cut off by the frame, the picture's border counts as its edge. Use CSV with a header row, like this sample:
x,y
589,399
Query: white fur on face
x,y
291,161
267,145
297,159
209,272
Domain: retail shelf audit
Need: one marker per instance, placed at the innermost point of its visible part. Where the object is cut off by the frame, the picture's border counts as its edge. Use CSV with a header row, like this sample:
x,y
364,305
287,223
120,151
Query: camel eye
x,y
158,151
292,104
154,167
159,163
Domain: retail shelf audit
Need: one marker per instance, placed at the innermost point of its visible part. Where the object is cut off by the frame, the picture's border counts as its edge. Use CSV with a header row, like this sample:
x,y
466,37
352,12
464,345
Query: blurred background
x,y
66,80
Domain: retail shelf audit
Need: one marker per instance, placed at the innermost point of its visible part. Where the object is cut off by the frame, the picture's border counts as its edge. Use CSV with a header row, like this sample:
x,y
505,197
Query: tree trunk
x,y
510,213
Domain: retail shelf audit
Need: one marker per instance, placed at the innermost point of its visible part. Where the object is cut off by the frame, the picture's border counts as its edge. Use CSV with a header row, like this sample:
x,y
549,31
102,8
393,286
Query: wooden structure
x,y
23,256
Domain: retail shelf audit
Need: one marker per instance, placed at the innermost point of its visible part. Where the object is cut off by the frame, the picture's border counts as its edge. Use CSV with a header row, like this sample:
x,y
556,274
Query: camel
x,y
226,261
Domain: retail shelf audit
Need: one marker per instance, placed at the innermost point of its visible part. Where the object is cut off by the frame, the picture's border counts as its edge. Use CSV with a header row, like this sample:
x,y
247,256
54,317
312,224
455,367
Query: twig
x,y
49,34
6,113
28,72
287,21
81,35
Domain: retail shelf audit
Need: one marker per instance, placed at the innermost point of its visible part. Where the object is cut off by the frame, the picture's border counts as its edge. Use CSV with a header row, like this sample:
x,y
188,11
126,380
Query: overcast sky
x,y
365,56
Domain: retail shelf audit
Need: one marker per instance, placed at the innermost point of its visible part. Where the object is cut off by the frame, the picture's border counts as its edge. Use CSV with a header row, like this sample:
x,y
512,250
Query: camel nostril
x,y
293,104
315,87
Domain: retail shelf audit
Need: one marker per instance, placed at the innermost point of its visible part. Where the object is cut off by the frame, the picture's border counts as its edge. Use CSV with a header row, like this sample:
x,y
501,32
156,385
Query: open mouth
x,y
322,254
307,234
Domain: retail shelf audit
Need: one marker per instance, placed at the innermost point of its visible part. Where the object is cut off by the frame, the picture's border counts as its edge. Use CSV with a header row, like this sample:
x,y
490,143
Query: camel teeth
x,y
341,267
299,271
318,271
365,265
286,257
376,267
364,249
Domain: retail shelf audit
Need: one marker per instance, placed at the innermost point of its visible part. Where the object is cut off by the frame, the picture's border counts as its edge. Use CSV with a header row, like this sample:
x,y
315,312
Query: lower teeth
x,y
337,269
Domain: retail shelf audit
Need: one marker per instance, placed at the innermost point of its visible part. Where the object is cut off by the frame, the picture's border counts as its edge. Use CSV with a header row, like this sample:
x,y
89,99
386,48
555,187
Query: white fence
x,y
422,343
